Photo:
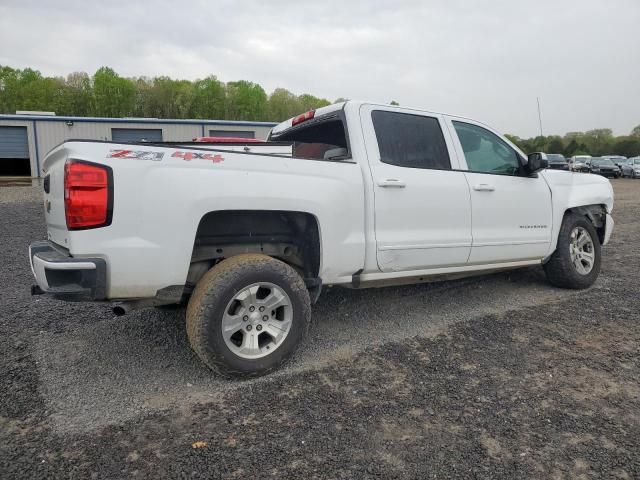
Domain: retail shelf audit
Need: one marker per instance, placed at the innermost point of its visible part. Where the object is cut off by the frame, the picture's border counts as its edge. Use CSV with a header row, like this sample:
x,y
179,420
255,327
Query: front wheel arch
x,y
596,214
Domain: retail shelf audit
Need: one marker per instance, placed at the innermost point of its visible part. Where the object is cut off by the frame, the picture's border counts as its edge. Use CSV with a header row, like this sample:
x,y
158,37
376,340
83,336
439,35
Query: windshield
x,y
602,162
635,161
556,158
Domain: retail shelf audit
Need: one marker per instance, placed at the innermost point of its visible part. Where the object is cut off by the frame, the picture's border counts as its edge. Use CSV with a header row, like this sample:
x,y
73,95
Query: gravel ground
x,y
497,376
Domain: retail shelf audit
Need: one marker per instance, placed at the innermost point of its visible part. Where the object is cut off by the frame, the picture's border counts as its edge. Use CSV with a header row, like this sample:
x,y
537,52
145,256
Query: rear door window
x,y
411,141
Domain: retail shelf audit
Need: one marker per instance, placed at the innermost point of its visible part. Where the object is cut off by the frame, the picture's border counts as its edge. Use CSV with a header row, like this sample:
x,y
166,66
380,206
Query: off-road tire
x,y
559,269
213,293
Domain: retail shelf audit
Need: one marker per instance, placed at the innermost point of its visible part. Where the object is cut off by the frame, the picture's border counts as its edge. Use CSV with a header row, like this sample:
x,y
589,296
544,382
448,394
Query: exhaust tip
x,y
119,310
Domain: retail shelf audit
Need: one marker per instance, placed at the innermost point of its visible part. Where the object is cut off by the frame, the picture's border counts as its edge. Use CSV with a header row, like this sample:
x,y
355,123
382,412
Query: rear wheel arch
x,y
290,236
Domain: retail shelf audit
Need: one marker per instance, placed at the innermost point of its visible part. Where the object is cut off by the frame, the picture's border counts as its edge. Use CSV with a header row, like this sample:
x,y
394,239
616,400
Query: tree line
x,y
107,94
596,142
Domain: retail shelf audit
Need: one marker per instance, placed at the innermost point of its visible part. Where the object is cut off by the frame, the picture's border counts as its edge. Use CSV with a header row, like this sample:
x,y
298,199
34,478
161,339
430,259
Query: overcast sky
x,y
486,59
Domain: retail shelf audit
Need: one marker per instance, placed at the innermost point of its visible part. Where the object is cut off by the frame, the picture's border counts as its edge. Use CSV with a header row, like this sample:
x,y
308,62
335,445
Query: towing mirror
x,y
536,161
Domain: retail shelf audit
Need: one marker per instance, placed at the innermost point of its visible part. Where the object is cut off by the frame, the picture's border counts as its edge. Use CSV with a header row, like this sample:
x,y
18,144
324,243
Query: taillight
x,y
303,118
88,195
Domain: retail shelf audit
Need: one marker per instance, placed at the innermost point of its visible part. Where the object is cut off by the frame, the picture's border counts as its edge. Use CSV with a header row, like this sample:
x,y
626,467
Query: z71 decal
x,y
188,156
136,154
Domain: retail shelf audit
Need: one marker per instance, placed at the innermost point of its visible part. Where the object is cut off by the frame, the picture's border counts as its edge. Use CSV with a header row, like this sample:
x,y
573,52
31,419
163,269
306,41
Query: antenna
x,y
539,115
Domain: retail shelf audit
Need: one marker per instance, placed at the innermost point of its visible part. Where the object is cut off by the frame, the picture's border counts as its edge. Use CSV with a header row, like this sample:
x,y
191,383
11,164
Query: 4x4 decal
x,y
188,156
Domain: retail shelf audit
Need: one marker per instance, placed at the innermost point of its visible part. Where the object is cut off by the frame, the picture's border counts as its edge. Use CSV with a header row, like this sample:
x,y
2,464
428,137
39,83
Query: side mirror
x,y
536,161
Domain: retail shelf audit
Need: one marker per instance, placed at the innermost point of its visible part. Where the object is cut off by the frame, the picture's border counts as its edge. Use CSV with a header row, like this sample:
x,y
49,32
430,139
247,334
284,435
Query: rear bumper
x,y
67,277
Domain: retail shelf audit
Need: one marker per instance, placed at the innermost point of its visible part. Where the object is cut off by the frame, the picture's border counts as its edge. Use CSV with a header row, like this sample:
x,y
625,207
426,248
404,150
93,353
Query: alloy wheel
x,y
581,250
257,320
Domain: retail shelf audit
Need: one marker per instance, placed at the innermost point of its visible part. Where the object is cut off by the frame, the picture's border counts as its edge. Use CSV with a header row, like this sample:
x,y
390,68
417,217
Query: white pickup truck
x,y
353,194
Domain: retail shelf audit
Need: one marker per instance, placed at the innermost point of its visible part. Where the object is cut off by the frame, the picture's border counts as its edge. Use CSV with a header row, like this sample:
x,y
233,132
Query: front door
x,y
511,211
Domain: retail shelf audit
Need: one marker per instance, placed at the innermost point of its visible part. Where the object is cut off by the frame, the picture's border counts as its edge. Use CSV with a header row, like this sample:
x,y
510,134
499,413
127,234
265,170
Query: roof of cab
x,y
287,124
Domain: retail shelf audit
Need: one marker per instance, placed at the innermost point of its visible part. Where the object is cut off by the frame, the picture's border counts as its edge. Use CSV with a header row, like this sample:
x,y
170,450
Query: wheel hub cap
x,y
581,250
257,320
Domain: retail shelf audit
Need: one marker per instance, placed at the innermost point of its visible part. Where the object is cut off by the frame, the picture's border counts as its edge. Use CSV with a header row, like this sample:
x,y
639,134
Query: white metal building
x,y
26,139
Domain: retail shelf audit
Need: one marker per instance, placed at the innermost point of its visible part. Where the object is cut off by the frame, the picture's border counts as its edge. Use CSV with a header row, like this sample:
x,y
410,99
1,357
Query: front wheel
x,y
247,315
576,261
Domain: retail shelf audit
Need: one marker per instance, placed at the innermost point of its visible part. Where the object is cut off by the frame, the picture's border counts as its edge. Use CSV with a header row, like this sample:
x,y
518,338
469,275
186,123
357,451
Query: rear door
x,y
422,204
511,211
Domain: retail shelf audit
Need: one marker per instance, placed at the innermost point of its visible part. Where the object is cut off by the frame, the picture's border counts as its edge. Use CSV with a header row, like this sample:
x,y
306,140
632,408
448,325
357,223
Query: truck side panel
x,y
158,204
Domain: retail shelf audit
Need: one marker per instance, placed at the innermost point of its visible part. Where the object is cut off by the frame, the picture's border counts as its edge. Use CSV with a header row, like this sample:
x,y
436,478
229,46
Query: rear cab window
x,y
320,138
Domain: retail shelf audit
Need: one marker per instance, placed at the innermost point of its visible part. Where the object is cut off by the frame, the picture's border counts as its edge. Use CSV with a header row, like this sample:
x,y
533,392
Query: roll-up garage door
x,y
14,142
125,135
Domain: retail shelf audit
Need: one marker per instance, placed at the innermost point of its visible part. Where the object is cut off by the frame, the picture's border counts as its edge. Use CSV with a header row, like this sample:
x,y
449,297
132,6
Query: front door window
x,y
486,152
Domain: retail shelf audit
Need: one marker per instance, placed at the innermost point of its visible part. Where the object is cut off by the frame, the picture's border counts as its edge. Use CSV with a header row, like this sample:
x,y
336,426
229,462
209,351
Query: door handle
x,y
484,187
391,183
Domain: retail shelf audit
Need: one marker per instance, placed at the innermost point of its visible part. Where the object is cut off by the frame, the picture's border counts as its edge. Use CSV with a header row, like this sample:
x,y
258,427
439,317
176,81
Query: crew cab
x,y
354,194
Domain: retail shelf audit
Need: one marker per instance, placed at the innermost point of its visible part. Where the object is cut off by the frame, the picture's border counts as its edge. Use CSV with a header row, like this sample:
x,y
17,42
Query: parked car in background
x,y
580,163
617,159
623,164
631,168
604,166
557,161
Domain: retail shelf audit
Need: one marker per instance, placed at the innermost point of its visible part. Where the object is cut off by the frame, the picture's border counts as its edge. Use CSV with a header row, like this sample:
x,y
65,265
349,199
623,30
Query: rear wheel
x,y
247,315
576,261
